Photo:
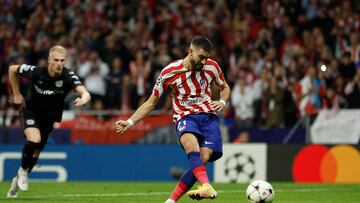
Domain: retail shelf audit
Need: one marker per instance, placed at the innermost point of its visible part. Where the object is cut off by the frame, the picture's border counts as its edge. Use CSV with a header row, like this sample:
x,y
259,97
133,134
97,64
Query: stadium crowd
x,y
282,59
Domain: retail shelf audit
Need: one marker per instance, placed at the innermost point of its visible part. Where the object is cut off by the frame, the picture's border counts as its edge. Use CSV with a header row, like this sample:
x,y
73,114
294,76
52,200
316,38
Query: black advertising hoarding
x,y
280,159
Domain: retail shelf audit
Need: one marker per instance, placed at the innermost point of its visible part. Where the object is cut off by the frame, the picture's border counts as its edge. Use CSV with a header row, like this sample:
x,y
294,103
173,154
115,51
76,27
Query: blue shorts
x,y
205,126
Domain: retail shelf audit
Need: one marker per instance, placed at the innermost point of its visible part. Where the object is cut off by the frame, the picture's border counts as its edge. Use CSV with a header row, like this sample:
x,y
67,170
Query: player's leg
x,y
210,150
29,156
191,145
187,180
187,128
205,190
32,137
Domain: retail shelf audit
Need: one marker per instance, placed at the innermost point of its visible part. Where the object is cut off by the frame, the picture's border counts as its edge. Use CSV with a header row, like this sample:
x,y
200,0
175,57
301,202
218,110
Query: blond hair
x,y
57,48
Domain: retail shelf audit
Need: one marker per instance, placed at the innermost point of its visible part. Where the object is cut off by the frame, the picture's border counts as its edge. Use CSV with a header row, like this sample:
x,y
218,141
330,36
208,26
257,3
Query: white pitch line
x,y
163,193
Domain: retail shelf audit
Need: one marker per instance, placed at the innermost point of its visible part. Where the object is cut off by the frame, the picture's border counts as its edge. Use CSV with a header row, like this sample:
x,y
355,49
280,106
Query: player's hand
x,y
79,101
217,106
19,101
121,126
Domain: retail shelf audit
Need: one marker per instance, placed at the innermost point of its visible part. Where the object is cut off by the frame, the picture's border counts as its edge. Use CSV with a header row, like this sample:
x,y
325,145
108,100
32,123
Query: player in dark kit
x,y
42,107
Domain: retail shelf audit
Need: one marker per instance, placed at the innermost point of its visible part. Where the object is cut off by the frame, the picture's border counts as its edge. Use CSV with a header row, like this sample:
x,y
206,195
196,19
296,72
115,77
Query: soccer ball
x,y
260,191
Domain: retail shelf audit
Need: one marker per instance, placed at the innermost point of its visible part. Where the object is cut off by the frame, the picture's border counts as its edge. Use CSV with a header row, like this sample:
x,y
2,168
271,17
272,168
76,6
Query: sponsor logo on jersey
x,y
207,142
44,92
191,101
59,83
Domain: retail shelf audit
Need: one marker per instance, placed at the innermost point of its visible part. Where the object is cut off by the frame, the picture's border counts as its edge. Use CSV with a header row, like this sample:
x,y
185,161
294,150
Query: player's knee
x,y
34,139
205,158
191,147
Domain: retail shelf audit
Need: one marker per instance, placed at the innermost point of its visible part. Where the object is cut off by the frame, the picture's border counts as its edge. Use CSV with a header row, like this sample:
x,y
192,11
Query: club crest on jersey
x,y
59,83
30,122
203,83
181,126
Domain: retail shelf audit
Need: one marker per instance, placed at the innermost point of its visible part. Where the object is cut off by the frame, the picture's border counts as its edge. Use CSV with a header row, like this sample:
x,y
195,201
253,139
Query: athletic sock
x,y
187,180
27,155
32,163
178,191
198,167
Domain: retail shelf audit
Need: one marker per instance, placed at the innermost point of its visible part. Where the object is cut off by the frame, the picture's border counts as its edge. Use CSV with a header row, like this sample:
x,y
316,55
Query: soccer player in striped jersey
x,y
194,113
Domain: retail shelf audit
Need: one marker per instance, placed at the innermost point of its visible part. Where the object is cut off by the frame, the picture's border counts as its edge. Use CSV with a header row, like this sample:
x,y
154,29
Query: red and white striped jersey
x,y
190,90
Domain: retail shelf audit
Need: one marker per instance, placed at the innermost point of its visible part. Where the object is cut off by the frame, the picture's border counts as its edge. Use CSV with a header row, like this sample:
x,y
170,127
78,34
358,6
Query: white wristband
x,y
222,101
130,122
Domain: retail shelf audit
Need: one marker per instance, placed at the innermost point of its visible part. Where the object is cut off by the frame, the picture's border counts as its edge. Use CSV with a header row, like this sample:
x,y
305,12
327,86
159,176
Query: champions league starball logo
x,y
240,167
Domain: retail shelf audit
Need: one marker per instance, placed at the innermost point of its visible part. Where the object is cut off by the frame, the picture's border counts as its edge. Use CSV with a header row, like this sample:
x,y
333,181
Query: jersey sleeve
x,y
26,70
74,79
218,74
159,86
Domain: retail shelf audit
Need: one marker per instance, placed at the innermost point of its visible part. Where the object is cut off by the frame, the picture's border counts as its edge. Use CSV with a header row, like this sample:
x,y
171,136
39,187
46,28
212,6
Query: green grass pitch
x,y
157,192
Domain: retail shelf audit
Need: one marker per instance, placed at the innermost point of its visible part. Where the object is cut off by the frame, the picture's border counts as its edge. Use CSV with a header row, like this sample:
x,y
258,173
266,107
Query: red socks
x,y
201,175
179,190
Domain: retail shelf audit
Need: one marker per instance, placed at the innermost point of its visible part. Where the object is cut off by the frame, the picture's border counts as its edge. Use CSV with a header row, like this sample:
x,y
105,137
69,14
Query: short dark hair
x,y
202,42
346,54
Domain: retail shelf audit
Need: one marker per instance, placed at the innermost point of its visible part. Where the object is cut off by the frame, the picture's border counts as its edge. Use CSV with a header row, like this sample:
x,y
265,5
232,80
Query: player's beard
x,y
196,66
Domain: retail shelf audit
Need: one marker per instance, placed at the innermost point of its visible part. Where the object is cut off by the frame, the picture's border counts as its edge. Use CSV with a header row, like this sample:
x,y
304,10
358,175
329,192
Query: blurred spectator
x,y
243,137
354,47
94,72
242,98
140,69
264,41
347,67
309,91
290,105
261,85
352,90
275,104
116,83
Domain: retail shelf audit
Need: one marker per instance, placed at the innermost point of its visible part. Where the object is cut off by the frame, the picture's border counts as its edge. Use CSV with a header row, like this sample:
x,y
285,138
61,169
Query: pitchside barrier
x,y
241,163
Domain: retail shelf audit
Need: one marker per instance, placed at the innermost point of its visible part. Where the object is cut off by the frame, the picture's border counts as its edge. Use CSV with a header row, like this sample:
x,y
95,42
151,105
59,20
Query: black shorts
x,y
45,125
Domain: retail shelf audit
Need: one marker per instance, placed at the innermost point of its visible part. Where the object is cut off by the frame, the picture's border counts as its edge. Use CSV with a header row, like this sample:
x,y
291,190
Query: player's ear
x,y
190,50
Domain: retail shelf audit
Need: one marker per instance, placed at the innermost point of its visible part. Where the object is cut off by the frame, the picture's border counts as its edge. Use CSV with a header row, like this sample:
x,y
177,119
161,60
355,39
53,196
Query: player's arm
x,y
84,95
15,85
224,97
122,126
